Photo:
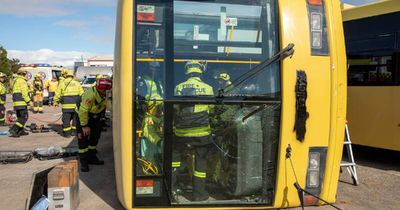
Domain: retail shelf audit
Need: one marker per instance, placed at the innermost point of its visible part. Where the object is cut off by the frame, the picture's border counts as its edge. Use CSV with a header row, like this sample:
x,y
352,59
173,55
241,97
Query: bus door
x,y
202,137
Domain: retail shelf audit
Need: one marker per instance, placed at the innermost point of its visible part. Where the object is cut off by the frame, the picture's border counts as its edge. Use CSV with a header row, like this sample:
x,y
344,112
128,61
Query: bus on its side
x,y
276,129
372,34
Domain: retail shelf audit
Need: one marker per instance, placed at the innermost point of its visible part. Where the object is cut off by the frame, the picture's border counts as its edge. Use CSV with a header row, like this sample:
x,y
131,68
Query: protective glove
x,y
55,104
30,103
86,131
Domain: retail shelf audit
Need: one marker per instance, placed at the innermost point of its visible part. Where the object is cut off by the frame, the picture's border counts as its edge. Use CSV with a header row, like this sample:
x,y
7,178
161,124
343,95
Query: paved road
x,y
379,174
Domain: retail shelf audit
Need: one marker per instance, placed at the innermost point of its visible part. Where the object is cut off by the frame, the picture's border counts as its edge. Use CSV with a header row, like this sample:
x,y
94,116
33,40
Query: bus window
x,y
200,148
371,71
228,38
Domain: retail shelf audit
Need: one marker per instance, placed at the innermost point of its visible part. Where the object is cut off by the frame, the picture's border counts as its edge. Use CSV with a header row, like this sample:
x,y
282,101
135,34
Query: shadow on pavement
x,y
376,158
100,179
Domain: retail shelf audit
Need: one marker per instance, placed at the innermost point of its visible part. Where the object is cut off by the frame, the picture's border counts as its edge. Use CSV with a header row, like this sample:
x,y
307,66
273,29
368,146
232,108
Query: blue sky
x,y
57,29
60,31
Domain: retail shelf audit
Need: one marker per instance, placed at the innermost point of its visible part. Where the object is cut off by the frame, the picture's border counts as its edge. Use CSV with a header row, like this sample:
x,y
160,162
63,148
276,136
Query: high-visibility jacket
x,y
151,92
192,120
3,92
92,104
52,86
37,87
68,93
20,93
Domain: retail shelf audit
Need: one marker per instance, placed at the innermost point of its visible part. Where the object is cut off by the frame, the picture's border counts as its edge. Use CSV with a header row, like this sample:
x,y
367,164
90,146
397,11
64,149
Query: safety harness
x,y
301,109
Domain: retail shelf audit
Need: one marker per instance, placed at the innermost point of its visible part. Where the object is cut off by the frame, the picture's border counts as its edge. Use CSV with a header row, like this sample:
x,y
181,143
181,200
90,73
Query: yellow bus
x,y
372,34
228,104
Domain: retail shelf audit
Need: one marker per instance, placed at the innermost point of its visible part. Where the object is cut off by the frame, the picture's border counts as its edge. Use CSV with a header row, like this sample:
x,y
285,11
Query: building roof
x,y
370,10
100,59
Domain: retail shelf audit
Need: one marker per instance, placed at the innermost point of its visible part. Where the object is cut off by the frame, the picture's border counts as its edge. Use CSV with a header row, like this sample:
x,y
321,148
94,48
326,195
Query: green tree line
x,y
8,66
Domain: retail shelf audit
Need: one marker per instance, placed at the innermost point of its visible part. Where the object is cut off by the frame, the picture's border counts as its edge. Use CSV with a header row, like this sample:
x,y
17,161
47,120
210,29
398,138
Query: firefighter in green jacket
x,y
21,100
92,105
150,92
192,128
68,93
3,92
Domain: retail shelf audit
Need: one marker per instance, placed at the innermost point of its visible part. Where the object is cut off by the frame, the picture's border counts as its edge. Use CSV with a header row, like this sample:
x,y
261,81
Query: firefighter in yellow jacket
x,y
192,127
21,99
37,91
3,92
68,94
64,73
52,88
92,105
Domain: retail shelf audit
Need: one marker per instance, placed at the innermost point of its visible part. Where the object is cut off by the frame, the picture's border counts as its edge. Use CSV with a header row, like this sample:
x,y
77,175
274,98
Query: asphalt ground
x,y
378,172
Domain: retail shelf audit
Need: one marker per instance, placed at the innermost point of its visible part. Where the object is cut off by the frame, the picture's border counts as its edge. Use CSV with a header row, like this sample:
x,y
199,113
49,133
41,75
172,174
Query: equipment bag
x,y
48,153
7,157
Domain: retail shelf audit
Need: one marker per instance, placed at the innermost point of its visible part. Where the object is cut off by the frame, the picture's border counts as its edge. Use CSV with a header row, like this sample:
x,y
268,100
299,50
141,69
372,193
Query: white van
x,y
46,71
88,81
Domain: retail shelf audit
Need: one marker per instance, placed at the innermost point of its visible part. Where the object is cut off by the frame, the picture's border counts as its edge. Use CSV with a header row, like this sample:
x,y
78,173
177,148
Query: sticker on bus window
x,y
146,13
231,21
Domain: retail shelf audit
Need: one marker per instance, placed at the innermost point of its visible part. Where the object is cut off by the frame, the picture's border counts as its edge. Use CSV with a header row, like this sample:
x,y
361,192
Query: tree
x,y
15,65
5,65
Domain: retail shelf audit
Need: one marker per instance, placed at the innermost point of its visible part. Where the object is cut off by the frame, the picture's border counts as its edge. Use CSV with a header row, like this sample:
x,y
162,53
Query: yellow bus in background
x,y
277,130
372,34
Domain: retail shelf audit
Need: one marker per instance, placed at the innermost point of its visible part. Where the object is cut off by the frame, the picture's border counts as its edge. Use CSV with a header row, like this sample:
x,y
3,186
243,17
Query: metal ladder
x,y
350,164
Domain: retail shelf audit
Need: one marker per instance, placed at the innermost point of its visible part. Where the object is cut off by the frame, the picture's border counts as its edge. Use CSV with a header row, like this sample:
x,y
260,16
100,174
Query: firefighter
x,y
150,91
192,128
3,92
37,90
64,73
21,99
52,87
93,103
223,80
68,93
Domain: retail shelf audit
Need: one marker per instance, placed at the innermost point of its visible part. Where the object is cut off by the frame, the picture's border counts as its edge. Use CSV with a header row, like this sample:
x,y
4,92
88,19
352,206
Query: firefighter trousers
x,y
2,114
89,143
38,103
67,117
22,117
199,171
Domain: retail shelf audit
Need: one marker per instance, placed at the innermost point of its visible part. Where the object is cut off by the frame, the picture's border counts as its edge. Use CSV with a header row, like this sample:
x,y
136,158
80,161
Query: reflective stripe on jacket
x,y
20,92
2,93
92,103
68,93
192,120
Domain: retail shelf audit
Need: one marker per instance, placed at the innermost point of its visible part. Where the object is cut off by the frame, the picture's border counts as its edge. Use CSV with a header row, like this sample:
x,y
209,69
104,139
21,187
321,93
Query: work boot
x,y
84,162
93,159
14,131
22,132
66,134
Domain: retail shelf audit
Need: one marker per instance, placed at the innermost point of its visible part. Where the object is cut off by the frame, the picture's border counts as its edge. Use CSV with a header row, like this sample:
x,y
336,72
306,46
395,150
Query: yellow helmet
x,y
21,71
69,73
64,71
98,76
193,67
223,76
36,75
2,75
